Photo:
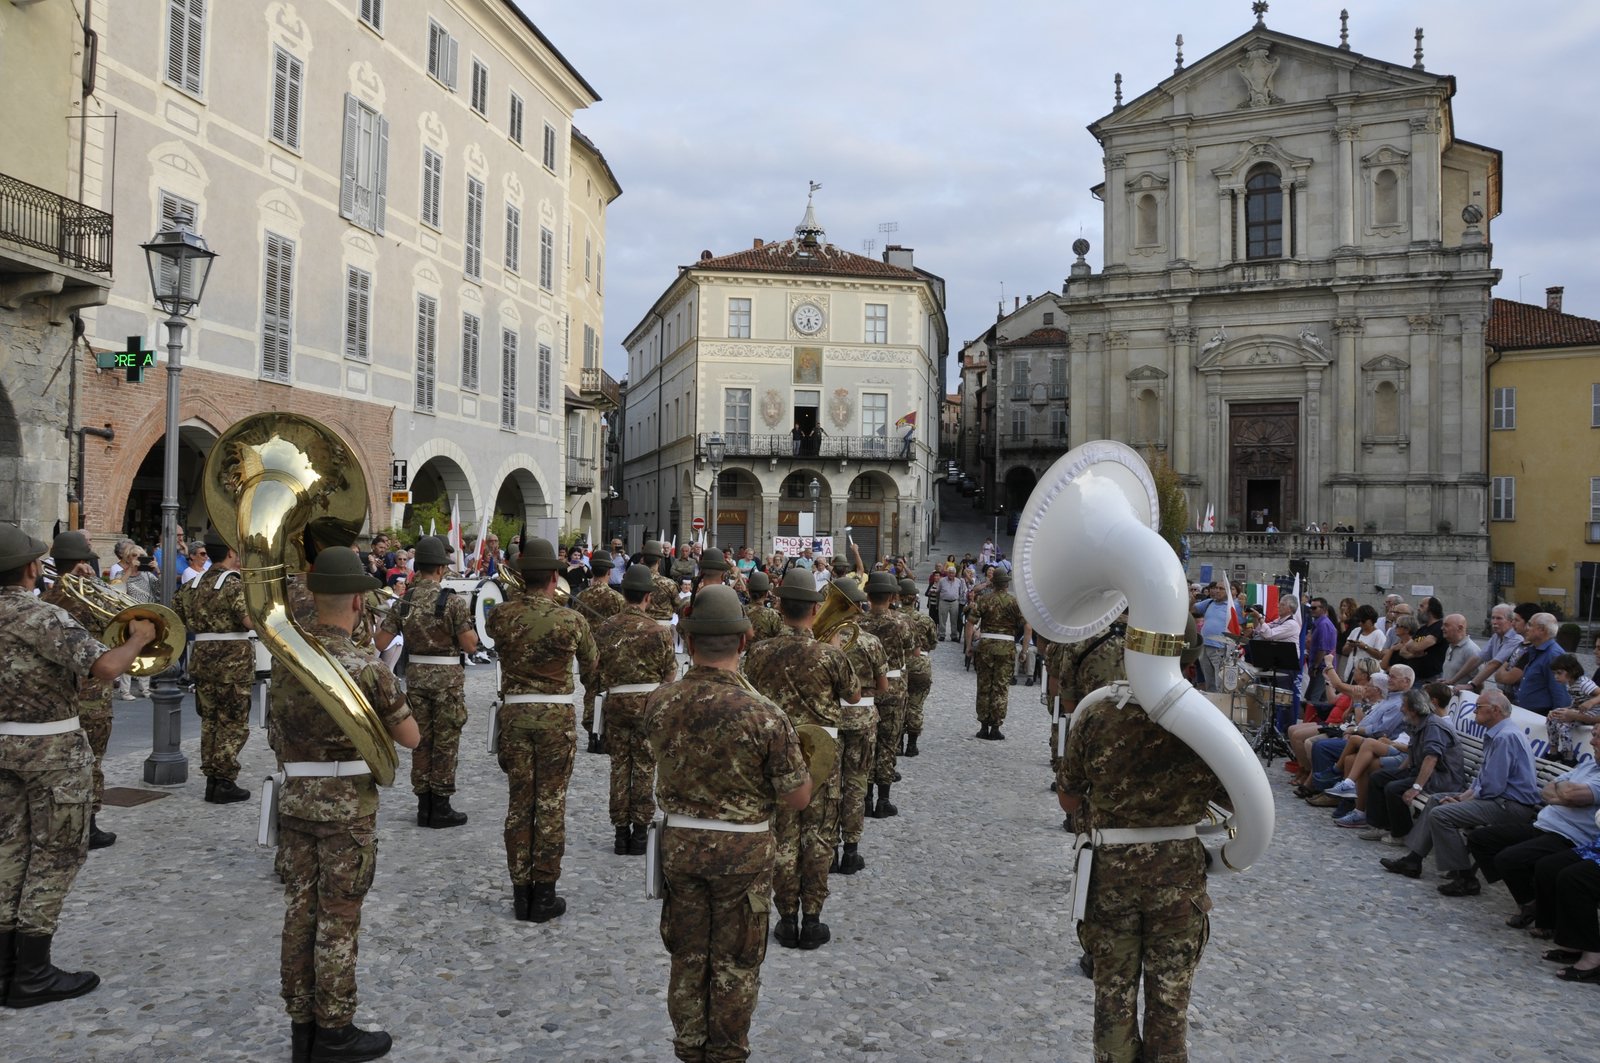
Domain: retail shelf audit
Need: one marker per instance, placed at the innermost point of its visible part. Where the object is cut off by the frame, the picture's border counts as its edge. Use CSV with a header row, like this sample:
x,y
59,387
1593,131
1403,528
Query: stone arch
x,y
872,511
740,509
440,470
1019,484
144,485
11,464
794,496
521,492
876,486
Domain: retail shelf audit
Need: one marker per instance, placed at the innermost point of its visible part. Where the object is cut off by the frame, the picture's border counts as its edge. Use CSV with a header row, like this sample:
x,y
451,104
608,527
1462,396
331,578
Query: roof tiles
x,y
1522,326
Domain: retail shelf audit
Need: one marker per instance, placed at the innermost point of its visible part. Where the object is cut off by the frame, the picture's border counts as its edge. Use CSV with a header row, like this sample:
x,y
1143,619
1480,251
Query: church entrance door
x,y
1264,464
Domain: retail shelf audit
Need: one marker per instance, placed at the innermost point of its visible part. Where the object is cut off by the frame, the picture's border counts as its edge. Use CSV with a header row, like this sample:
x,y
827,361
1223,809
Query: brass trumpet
x,y
114,609
511,582
836,615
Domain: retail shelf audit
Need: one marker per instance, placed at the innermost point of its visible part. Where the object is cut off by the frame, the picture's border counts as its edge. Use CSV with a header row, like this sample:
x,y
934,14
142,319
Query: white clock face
x,y
807,319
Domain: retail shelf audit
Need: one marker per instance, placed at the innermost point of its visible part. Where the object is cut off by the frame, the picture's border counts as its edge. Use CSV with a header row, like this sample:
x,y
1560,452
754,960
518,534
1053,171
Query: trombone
x,y
115,609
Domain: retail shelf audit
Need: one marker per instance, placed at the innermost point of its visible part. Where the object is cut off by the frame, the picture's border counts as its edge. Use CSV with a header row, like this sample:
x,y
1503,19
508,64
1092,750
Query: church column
x,y
1181,341
1225,226
1347,336
1288,217
1117,201
1423,414
1240,225
1346,134
1302,225
1474,458
1424,176
1216,465
1077,392
1312,471
1116,418
1181,157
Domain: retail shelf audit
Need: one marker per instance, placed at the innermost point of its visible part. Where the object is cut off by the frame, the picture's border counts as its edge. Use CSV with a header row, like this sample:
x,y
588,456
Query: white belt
x,y
54,727
833,732
665,623
864,703
326,769
632,688
418,658
541,699
224,636
894,673
1137,835
922,653
1008,638
694,823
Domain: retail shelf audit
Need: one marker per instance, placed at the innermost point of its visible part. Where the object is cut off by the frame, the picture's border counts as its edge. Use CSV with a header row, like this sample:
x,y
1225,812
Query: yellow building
x,y
1544,455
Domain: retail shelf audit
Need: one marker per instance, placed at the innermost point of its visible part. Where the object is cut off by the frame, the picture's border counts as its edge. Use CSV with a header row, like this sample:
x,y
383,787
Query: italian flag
x,y
1264,596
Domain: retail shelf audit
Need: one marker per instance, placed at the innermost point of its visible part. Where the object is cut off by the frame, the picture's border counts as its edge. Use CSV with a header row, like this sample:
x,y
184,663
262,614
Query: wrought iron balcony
x,y
859,448
580,475
35,217
1048,441
597,384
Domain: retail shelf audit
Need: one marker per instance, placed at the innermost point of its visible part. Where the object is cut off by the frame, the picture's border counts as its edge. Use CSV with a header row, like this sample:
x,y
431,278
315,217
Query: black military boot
x,y
35,980
211,789
301,1037
869,800
100,839
594,743
424,809
441,815
8,960
521,901
787,932
226,792
983,732
850,862
544,904
994,733
639,840
619,844
911,746
883,809
814,932
349,1044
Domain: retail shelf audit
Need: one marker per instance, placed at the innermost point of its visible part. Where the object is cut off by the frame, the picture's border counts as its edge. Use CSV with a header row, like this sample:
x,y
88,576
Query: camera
x,y
146,565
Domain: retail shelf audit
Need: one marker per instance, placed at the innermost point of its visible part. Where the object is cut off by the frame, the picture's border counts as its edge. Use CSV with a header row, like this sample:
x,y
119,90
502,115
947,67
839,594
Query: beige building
x,y
387,188
810,363
55,256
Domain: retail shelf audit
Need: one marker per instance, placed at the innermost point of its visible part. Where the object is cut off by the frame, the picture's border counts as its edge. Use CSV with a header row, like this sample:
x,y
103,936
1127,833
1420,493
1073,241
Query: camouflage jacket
x,y
433,628
633,649
896,636
996,613
765,622
304,731
721,753
870,664
805,678
924,637
1080,668
42,650
215,605
94,695
599,602
537,639
663,601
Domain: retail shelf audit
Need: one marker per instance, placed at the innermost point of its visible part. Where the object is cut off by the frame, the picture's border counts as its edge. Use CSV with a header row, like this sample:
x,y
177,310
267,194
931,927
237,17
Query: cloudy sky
x,y
963,123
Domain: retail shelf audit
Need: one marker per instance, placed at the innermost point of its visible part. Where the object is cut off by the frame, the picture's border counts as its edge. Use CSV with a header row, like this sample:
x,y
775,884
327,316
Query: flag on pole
x,y
433,526
1211,518
1233,608
483,533
1264,596
908,419
454,533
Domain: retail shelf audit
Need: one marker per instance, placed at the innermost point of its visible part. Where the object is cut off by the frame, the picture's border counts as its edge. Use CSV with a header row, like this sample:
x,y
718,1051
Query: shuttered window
x,y
472,239
186,38
549,147
547,259
427,351
362,195
544,376
1503,498
471,330
372,13
513,239
277,308
514,123
591,348
443,52
508,379
357,314
287,76
432,184
480,87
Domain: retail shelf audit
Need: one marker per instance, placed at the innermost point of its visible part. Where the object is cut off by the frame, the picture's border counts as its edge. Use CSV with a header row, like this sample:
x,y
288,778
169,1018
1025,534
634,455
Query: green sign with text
x,y
134,360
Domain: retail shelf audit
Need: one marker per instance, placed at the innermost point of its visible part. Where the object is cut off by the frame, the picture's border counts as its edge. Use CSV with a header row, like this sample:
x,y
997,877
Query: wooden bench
x,y
1545,771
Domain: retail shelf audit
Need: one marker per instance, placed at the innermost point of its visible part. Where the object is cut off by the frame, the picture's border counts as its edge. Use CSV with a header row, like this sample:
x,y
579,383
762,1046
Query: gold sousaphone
x,y
114,609
838,613
268,480
821,751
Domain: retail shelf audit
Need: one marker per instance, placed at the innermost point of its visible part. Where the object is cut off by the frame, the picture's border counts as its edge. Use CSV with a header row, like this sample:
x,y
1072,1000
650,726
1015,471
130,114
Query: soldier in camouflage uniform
x,y
46,769
858,737
808,680
1147,900
598,602
438,628
765,621
727,760
327,821
1077,669
664,598
538,639
919,665
223,664
993,621
73,555
635,657
896,635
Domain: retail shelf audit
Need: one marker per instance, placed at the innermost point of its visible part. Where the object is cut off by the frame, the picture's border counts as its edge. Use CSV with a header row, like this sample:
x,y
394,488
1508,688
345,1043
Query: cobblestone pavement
x,y
951,945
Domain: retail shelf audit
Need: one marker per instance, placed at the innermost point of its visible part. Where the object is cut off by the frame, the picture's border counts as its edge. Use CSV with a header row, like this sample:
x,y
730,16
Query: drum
x,y
482,595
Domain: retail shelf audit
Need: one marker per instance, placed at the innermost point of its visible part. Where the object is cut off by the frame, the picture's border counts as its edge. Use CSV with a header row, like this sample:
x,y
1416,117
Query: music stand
x,y
1273,661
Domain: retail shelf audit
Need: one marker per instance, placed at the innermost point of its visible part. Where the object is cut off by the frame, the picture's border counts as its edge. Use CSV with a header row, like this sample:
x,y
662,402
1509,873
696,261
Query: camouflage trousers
x,y
44,837
1144,916
715,927
855,767
327,870
994,683
919,681
633,768
805,842
891,713
537,761
97,725
223,706
440,716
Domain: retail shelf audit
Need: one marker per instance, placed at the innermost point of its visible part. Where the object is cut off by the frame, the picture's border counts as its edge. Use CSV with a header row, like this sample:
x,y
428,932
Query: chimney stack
x,y
1017,305
759,244
1552,298
896,255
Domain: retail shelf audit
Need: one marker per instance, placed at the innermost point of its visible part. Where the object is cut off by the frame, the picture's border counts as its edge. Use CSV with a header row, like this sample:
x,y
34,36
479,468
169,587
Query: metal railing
x,y
39,218
599,382
1036,441
864,448
580,475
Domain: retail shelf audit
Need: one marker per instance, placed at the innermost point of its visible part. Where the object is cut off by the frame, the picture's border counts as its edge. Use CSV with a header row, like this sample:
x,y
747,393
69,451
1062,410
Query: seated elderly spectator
x,y
1365,752
1505,794
1512,852
1425,652
1383,721
1286,628
1401,632
1461,654
1510,674
1434,764
1358,695
1365,641
1567,892
1538,690
1394,611
1503,643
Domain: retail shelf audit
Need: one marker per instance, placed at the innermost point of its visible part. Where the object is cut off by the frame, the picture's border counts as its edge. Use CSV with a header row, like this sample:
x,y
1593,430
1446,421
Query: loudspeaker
x,y
1299,566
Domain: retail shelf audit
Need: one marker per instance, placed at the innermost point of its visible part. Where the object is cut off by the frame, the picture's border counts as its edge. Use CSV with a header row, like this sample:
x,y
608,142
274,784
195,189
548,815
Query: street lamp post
x,y
716,450
814,489
180,263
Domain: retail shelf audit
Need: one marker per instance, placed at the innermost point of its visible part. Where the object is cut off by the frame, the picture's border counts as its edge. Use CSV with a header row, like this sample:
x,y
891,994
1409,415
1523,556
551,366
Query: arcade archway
x,y
141,518
436,483
1020,483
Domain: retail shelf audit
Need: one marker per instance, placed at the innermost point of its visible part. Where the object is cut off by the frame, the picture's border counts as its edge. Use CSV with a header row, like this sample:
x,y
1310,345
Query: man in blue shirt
x,y
1506,793
1212,614
1502,646
1538,691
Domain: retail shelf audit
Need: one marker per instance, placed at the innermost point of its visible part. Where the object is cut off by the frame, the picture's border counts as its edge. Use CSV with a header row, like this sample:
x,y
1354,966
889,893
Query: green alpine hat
x,y
882,583
654,548
713,561
1001,578
431,550
638,578
73,546
840,566
599,559
852,590
17,548
758,583
799,585
337,570
909,586
216,546
539,555
716,612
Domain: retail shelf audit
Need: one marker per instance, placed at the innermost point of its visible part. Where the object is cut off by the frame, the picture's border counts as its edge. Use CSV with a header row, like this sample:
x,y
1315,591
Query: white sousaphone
x,y
1086,548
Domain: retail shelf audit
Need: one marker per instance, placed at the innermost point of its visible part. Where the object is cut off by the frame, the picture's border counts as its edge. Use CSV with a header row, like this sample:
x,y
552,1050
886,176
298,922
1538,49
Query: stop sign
x,y
699,524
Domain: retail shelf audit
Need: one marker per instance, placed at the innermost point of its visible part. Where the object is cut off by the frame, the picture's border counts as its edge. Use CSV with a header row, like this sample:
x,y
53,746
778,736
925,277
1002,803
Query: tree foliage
x,y
1174,506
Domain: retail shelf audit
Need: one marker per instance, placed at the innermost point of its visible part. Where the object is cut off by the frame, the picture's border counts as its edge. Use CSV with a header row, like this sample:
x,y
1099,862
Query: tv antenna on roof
x,y
888,228
868,247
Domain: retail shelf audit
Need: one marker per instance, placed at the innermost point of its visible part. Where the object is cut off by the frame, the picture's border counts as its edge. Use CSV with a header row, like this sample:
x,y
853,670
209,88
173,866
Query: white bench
x,y
1546,771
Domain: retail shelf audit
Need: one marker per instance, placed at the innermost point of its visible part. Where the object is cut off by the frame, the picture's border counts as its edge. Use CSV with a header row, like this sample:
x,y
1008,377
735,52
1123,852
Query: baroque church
x,y
1294,290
